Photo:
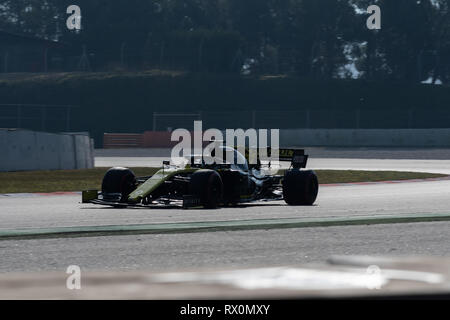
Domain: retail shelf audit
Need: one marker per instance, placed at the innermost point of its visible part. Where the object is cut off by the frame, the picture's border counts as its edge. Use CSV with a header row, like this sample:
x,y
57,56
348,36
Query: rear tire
x,y
208,187
118,183
300,188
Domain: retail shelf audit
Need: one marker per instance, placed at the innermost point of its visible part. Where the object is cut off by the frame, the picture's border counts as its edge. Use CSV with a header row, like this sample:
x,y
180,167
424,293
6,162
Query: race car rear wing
x,y
297,157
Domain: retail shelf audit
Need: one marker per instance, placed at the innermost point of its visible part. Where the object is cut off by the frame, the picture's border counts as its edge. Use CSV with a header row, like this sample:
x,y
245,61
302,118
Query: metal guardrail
x,y
400,118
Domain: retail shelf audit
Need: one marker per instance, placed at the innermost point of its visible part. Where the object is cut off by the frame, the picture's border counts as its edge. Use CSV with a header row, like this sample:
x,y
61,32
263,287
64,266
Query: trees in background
x,y
320,39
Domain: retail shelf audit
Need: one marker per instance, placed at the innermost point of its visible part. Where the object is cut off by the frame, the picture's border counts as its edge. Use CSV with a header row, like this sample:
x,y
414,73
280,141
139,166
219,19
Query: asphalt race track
x,y
416,160
333,201
278,242
227,248
169,252
431,166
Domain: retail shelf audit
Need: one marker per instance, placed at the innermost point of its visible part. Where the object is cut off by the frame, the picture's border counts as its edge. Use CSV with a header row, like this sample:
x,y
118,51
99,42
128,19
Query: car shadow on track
x,y
240,206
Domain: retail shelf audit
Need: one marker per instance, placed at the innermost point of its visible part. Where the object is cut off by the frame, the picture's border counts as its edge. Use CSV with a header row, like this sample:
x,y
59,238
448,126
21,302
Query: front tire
x,y
300,188
117,184
207,186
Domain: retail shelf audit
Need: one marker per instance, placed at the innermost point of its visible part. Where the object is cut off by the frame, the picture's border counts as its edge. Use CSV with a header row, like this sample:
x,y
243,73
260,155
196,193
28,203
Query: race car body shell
x,y
155,181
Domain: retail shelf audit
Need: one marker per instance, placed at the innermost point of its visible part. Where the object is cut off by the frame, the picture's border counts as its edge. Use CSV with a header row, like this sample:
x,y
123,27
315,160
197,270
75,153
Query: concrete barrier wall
x,y
22,150
365,137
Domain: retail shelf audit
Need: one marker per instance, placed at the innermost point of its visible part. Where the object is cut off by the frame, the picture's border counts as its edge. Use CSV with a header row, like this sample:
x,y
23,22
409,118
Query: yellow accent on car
x,y
89,195
155,181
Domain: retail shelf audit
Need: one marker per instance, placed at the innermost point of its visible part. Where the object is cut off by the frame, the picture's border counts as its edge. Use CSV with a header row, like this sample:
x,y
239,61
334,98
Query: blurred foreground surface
x,y
339,277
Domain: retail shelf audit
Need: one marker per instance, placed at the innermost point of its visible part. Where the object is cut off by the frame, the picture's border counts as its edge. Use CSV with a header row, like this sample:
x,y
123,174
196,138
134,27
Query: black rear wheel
x,y
118,183
208,187
300,188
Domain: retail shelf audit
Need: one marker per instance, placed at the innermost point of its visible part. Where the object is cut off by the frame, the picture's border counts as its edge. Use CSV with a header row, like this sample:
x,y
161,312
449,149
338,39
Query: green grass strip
x,y
77,180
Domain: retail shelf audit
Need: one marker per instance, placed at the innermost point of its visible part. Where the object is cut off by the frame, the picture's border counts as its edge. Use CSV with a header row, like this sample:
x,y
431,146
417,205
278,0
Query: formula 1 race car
x,y
197,184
